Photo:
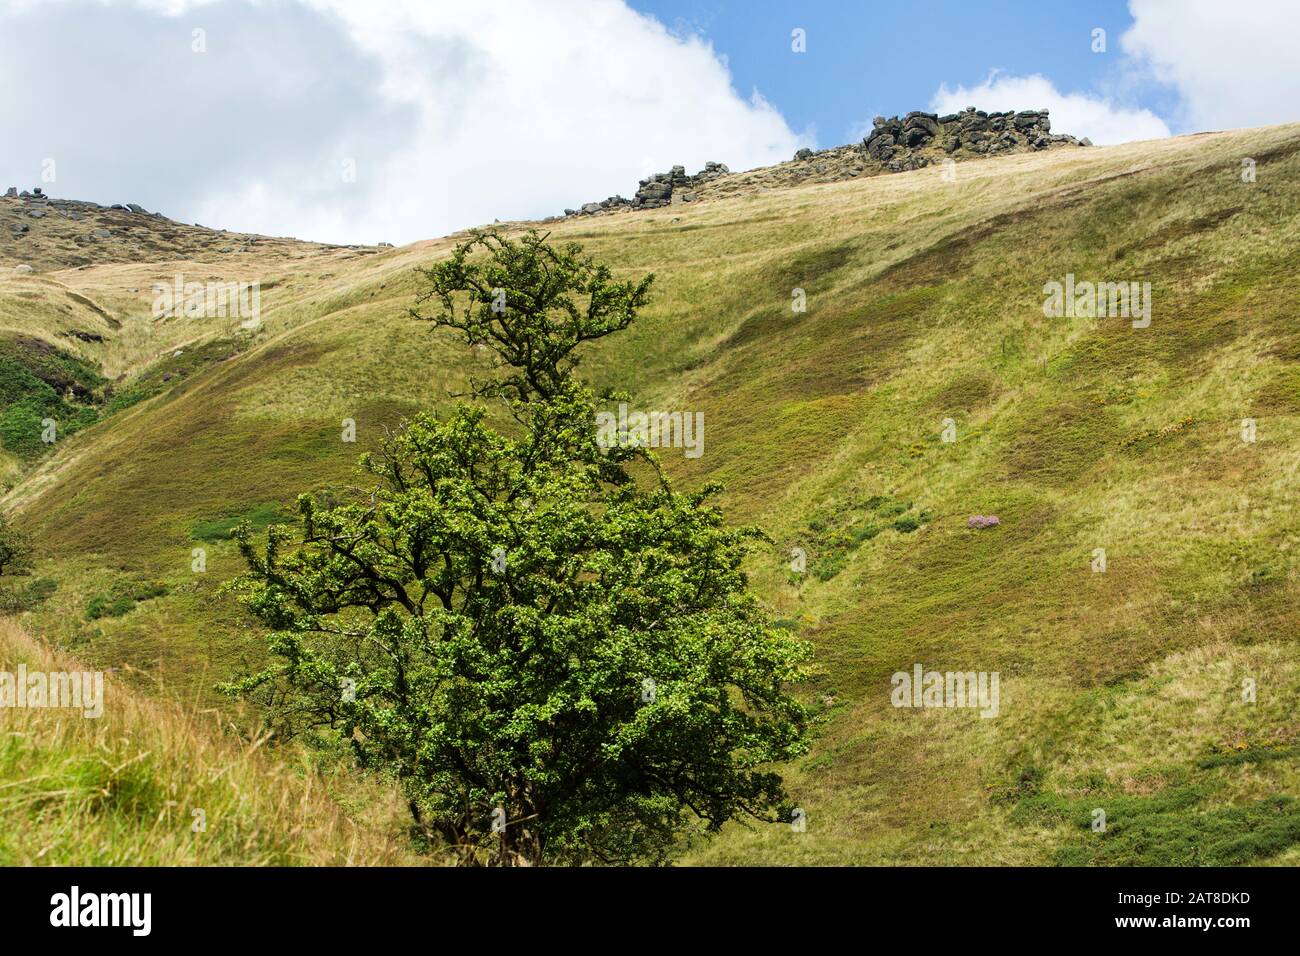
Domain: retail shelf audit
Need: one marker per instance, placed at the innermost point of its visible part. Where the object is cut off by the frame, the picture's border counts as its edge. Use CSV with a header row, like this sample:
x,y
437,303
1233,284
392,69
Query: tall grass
x,y
153,783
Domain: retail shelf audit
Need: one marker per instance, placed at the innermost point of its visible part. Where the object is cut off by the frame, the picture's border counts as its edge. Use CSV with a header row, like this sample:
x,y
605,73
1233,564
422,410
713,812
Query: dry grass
x,y
123,789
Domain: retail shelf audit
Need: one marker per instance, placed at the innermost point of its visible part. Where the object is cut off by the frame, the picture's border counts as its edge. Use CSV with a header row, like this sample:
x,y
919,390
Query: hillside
x,y
924,321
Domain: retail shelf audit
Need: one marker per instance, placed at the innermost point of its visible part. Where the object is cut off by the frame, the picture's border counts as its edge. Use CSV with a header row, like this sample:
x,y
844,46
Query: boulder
x,y
925,121
879,146
22,269
916,136
803,154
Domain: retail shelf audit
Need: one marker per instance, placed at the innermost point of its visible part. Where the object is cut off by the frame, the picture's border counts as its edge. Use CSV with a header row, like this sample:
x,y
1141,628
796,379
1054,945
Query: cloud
x,y
1232,64
450,114
1079,114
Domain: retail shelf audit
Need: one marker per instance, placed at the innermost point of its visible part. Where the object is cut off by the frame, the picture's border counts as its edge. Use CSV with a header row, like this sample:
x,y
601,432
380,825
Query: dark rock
x,y
916,136
879,145
925,121
803,154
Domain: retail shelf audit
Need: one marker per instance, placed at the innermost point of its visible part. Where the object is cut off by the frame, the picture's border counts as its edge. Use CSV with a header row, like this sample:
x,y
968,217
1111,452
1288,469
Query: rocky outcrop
x,y
659,189
38,204
896,144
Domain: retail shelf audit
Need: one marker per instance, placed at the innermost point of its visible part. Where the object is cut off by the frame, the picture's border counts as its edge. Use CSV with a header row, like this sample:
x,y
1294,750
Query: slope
x,y
1121,690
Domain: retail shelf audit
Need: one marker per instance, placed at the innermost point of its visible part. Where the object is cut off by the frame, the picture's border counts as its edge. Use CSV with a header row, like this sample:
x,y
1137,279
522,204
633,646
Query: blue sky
x,y
398,120
870,58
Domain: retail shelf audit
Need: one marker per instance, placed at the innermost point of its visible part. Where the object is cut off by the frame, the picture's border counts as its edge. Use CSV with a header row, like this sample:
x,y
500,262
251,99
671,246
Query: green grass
x,y
257,517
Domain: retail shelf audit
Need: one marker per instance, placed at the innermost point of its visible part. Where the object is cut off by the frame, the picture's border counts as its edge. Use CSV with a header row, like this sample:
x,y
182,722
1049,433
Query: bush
x,y
122,599
17,598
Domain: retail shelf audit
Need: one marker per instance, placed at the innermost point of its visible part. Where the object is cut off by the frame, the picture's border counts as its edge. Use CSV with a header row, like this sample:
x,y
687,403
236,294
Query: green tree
x,y
550,648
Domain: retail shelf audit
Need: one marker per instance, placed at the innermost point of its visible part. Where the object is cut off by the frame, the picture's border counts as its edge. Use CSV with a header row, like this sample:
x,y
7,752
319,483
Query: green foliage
x,y
529,629
27,596
1165,830
38,381
15,549
1256,753
122,599
530,303
835,533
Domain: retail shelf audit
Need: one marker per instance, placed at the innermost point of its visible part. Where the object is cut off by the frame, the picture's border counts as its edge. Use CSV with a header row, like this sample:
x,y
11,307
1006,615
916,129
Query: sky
x,y
397,120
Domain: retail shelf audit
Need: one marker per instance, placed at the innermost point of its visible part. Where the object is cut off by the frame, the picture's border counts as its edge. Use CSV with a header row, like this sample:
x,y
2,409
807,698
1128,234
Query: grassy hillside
x,y
122,789
1120,690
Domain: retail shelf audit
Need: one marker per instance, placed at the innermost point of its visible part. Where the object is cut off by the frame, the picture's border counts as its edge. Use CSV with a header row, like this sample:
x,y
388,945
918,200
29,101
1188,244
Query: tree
x,y
15,549
550,648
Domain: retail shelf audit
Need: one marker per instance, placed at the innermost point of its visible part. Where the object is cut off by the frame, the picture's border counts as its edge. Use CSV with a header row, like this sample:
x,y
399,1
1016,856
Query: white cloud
x,y
1079,114
454,113
1233,64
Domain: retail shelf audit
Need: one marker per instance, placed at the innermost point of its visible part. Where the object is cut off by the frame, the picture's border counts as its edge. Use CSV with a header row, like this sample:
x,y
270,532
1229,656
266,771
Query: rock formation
x,y
657,190
894,145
